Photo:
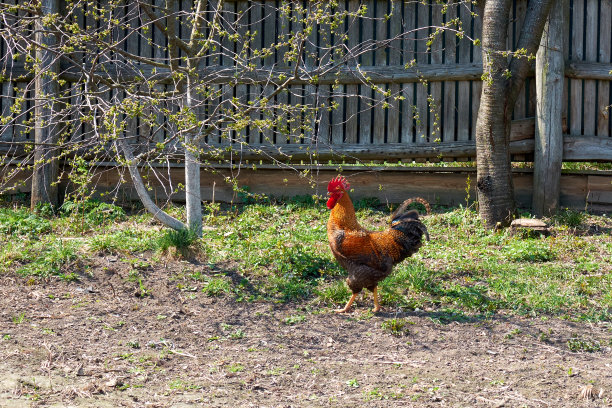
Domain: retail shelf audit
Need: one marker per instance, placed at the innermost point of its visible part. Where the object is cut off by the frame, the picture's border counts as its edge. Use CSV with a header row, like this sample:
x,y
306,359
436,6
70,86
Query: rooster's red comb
x,y
338,181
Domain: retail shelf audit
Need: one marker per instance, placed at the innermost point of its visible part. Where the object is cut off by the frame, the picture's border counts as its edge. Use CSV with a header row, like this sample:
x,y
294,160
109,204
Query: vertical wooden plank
x,y
476,91
352,28
393,115
380,32
378,129
463,94
352,91
408,20
281,130
407,111
395,59
352,101
380,22
520,8
590,53
367,33
75,116
269,30
158,39
449,101
435,106
283,24
395,30
323,134
422,57
576,96
463,111
477,33
240,27
365,114
605,39
338,34
228,19
337,122
366,59
295,116
269,117
6,101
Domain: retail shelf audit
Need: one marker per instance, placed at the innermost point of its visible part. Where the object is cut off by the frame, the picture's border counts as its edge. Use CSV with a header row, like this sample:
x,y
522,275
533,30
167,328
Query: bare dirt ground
x,y
103,342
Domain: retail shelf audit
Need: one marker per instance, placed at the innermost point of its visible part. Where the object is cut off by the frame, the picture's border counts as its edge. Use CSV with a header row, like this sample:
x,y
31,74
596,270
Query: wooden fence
x,y
436,114
432,100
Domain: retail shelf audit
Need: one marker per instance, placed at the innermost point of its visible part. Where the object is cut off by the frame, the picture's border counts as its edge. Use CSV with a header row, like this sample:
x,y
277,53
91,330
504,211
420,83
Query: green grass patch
x,y
278,252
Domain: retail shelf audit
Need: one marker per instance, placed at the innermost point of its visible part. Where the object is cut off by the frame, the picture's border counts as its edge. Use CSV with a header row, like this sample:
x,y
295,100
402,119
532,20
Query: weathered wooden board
x,y
389,185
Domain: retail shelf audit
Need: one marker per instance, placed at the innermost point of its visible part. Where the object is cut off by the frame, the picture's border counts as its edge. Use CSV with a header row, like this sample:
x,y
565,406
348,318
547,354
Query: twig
x,y
183,354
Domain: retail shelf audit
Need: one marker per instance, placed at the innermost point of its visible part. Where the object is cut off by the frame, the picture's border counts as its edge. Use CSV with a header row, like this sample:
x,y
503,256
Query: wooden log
x,y
549,139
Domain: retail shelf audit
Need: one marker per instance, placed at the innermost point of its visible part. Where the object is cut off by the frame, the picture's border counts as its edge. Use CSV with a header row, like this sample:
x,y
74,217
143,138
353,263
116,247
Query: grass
x,y
278,252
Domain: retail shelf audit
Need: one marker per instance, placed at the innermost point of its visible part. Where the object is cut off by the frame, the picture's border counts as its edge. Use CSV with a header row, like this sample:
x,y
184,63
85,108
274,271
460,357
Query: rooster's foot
x,y
348,305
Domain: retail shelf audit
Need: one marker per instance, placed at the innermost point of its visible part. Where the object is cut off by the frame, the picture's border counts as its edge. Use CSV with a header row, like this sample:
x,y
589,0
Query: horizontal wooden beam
x,y
575,148
346,75
588,70
389,151
587,148
443,186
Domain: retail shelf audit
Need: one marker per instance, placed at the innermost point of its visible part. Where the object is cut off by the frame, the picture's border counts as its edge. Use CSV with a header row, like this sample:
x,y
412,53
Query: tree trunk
x,y
44,189
548,155
494,180
141,189
192,169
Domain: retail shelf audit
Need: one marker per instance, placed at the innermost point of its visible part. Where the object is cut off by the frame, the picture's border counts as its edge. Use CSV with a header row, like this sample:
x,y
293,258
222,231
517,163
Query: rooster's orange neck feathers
x,y
343,214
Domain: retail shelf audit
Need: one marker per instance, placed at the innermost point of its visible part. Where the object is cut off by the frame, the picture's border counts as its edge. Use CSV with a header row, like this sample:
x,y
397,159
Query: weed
x,y
237,334
217,287
133,344
569,218
576,344
142,290
182,240
294,319
352,383
335,293
92,213
446,316
396,327
530,251
23,222
20,318
513,333
235,368
181,385
373,394
51,260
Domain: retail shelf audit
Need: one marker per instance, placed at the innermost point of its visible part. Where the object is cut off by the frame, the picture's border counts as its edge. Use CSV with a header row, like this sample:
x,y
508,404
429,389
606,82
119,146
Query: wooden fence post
x,y
46,132
548,155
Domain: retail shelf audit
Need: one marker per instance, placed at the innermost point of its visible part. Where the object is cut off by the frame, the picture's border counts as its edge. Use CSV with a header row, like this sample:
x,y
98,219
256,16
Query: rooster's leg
x,y
376,304
348,305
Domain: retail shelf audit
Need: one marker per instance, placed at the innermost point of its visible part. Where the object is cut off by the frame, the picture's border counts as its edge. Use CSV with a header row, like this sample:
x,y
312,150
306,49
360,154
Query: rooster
x,y
369,256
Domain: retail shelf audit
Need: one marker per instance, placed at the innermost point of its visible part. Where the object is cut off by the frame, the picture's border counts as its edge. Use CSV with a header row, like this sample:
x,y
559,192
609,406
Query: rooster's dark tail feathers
x,y
406,220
